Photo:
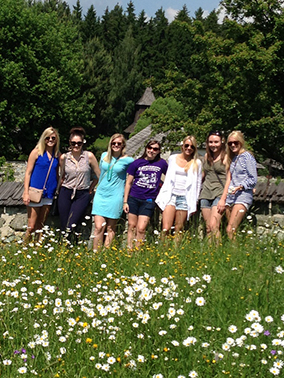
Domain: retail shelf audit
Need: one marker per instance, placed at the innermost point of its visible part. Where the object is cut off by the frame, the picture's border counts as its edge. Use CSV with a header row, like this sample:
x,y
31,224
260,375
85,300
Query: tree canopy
x,y
62,68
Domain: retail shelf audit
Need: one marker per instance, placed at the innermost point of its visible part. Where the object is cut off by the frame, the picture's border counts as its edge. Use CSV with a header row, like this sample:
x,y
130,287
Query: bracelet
x,y
124,203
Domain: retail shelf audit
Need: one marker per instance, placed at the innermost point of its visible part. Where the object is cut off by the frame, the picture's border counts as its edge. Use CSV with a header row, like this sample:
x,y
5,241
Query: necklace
x,y
110,168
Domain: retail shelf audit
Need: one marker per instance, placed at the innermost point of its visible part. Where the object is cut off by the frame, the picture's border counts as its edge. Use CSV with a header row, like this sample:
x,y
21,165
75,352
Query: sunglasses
x,y
155,149
79,144
216,132
50,138
235,142
116,144
189,145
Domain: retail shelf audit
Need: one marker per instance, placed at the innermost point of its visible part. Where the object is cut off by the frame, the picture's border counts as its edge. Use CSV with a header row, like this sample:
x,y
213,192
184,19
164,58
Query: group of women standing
x,y
228,174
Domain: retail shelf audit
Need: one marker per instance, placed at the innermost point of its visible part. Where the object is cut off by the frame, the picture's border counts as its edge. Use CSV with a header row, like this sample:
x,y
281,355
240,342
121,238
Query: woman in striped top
x,y
241,180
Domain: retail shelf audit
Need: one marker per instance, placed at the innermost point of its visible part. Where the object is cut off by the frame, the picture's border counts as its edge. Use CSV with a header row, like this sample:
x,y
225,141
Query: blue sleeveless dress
x,y
39,173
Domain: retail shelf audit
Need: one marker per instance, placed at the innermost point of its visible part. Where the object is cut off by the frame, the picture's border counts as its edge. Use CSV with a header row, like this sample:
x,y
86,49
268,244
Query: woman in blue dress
x,y
108,200
39,162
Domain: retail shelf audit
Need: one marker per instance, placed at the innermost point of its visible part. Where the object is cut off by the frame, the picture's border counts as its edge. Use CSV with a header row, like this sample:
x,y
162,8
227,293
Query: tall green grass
x,y
196,309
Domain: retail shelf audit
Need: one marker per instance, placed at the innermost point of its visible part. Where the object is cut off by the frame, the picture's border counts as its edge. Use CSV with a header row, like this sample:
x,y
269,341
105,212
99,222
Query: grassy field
x,y
196,310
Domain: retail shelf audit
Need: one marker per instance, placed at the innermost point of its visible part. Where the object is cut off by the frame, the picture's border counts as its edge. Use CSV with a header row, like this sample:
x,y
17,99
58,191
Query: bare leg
x,y
131,232
237,214
215,223
206,213
179,223
111,228
142,224
100,225
168,218
33,213
42,215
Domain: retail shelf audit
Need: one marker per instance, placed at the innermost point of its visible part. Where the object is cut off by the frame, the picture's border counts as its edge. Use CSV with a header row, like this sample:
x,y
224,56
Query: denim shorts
x,y
43,202
141,207
179,202
208,204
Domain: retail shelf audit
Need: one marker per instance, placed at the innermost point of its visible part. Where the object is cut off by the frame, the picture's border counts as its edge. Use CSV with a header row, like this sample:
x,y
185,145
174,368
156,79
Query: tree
x,y
113,27
97,72
183,15
126,84
40,76
90,26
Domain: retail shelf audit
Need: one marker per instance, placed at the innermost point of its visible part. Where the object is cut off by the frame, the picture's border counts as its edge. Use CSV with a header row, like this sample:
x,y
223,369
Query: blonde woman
x,y
179,194
108,200
44,156
241,180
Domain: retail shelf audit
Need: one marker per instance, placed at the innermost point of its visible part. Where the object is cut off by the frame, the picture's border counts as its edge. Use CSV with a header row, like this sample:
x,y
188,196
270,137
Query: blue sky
x,y
150,6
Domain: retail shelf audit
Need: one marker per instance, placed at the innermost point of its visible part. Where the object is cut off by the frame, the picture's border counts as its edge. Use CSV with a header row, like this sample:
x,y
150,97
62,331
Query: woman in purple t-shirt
x,y
141,189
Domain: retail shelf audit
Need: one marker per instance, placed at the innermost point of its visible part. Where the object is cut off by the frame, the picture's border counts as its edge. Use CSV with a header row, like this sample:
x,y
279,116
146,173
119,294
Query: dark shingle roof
x,y
147,99
135,145
11,194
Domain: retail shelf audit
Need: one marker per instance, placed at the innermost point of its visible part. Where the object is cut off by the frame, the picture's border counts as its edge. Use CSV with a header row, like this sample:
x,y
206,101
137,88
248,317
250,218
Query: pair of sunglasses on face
x,y
50,138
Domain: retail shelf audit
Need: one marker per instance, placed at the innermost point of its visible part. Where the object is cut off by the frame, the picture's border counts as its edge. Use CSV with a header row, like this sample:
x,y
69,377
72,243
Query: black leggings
x,y
72,210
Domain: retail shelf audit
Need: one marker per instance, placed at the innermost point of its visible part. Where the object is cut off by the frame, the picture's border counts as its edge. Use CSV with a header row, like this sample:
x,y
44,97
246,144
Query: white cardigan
x,y
193,186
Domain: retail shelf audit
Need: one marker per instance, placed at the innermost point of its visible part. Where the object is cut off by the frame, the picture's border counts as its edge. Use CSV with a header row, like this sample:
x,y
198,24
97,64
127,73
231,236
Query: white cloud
x,y
171,13
222,14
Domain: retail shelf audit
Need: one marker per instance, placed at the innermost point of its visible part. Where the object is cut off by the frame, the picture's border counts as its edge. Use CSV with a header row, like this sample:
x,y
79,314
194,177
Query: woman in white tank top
x,y
179,194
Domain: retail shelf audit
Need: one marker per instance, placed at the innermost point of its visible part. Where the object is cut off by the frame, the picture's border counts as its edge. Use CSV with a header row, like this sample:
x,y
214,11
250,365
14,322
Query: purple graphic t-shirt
x,y
147,178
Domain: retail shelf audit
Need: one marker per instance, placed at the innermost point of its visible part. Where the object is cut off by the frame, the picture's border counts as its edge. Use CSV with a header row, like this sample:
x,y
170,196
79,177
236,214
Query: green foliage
x,y
99,146
41,76
7,171
59,68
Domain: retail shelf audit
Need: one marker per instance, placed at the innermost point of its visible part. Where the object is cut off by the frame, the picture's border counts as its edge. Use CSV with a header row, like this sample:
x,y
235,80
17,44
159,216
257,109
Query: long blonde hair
x,y
108,156
193,161
41,143
239,136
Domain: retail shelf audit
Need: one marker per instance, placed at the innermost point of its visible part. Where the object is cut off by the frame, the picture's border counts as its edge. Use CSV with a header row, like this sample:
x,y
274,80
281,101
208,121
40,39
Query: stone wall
x,y
13,221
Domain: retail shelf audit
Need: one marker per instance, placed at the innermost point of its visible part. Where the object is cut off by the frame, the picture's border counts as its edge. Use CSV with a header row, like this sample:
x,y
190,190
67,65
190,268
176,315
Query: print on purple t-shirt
x,y
147,178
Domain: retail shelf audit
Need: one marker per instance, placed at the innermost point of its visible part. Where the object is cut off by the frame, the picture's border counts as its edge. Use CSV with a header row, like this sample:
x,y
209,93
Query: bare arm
x,y
128,184
95,166
30,166
222,203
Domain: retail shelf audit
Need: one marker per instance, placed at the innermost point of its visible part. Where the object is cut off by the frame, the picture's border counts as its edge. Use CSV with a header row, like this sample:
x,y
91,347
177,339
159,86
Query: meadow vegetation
x,y
192,310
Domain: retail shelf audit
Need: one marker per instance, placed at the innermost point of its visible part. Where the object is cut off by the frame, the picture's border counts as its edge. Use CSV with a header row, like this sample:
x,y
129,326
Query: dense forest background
x,y
60,68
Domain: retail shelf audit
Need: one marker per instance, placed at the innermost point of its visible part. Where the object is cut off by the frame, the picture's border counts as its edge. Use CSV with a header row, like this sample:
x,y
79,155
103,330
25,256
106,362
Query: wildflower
x,y
279,269
140,358
22,370
193,374
111,360
200,301
232,329
189,341
7,362
269,319
274,371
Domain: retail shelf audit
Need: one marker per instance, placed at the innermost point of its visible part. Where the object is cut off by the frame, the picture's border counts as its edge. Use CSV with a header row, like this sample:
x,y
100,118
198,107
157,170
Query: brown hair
x,y
209,153
80,131
149,144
